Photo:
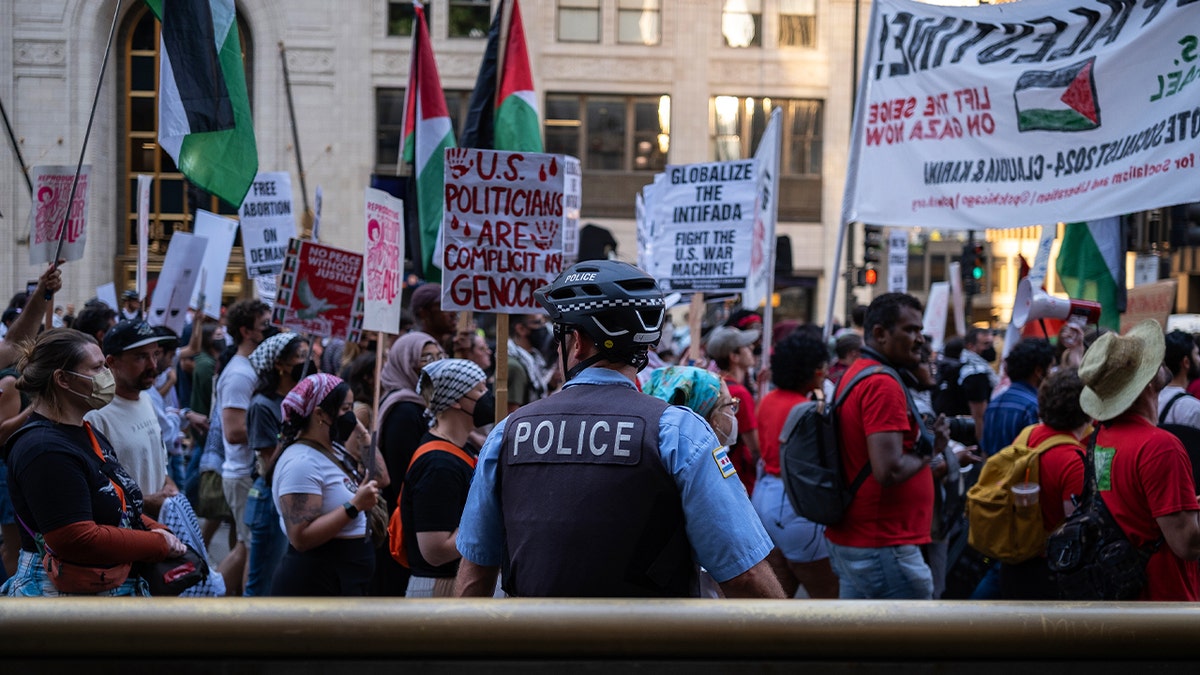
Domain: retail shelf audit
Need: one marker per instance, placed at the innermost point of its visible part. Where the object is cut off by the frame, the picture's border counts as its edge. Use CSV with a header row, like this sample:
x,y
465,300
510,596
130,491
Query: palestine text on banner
x,y
504,228
268,222
385,261
319,289
704,221
1073,112
427,133
51,188
204,107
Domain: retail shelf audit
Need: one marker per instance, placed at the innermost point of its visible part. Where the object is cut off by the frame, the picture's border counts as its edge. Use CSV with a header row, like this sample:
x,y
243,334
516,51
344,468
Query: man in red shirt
x,y
875,549
1142,472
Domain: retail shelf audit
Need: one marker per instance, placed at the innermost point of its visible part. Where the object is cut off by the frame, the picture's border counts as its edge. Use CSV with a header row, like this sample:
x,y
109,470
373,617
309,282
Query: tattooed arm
x,y
309,526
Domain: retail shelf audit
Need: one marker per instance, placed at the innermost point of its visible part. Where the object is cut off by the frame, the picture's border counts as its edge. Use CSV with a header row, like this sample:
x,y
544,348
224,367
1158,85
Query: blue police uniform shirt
x,y
725,533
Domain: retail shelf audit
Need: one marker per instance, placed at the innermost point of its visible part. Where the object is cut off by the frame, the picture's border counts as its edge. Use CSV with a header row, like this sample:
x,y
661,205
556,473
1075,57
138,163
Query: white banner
x,y
268,222
1023,113
143,233
766,209
51,188
936,308
703,217
503,228
384,261
107,293
572,200
316,232
180,276
220,233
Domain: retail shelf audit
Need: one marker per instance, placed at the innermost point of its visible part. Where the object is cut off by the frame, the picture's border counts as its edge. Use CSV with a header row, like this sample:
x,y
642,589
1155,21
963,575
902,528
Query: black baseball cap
x,y
128,335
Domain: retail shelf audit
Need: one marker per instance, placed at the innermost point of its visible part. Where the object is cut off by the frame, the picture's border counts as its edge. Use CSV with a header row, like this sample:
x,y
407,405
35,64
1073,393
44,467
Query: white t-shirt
x,y
235,388
132,428
1185,411
304,470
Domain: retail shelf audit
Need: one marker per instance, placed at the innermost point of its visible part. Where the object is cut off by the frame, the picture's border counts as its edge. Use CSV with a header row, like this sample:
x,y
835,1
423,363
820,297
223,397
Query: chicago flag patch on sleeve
x,y
721,455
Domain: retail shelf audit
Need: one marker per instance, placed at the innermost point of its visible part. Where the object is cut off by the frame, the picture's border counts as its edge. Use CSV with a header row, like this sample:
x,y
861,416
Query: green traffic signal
x,y
977,273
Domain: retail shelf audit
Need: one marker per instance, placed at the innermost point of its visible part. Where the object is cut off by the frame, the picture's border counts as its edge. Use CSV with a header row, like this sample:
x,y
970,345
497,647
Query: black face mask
x,y
988,354
485,410
539,338
299,372
342,427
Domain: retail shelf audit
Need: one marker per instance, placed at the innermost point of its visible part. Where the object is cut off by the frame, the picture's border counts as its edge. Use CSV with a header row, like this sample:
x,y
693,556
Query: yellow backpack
x,y
998,528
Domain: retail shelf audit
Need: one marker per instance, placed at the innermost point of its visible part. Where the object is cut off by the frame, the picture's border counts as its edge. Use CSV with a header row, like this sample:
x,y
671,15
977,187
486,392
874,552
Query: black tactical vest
x,y
589,508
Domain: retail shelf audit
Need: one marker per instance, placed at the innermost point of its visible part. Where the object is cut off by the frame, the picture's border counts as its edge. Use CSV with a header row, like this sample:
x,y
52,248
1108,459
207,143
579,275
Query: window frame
x,y
630,133
656,11
580,7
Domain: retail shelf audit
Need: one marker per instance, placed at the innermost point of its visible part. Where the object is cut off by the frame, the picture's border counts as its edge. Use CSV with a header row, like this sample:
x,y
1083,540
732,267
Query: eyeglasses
x,y
430,358
734,404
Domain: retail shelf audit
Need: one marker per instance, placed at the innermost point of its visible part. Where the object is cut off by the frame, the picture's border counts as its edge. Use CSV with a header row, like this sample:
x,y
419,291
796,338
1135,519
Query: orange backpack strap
x,y
443,446
395,524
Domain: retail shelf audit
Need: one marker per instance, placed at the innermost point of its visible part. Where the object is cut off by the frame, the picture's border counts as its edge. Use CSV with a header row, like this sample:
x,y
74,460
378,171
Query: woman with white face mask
x,y
72,497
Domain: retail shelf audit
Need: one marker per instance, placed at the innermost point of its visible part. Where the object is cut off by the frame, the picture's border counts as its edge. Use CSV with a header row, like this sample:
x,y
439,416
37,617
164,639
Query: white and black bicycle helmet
x,y
617,305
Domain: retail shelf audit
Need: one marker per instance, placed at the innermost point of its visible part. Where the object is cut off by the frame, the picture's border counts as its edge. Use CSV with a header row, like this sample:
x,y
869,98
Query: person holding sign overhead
x,y
560,522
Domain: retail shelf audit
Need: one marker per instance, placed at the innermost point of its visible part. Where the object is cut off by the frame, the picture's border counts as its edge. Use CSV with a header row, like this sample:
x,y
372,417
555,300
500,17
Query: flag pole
x,y
86,135
12,138
287,87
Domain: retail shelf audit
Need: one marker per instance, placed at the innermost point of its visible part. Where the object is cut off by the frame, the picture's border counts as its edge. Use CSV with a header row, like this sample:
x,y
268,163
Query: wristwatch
x,y
351,510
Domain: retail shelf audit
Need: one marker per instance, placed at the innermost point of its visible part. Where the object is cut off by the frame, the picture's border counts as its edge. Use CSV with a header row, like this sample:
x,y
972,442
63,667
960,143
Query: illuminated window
x,y
741,23
639,22
610,132
739,122
797,23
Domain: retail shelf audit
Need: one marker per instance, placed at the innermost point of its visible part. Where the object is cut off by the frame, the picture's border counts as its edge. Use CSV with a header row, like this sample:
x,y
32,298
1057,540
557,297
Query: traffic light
x,y
973,267
867,276
872,244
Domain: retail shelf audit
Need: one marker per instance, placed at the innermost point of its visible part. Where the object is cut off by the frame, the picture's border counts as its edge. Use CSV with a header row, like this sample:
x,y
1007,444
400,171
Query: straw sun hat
x,y
1117,368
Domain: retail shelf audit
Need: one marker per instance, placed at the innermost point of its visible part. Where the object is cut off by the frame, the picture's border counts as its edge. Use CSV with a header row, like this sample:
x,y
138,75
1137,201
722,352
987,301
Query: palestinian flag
x,y
517,125
479,130
1058,100
1089,265
427,134
204,119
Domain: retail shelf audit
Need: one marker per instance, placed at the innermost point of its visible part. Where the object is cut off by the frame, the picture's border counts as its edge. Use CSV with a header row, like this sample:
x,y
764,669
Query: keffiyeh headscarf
x,y
695,388
304,398
265,354
444,382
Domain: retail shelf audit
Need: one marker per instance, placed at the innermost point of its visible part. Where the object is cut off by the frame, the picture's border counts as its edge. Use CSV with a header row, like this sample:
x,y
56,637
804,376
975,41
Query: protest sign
x,y
936,309
143,232
319,289
107,293
268,222
51,188
385,261
1149,301
572,200
761,282
220,233
1016,114
704,219
265,289
179,277
503,228
897,261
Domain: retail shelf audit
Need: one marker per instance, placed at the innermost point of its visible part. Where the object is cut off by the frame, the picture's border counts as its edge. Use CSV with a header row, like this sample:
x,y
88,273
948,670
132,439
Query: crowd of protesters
x,y
111,426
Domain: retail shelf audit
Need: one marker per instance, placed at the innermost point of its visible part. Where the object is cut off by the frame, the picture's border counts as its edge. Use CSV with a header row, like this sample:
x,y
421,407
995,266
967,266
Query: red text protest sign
x,y
51,188
385,261
318,289
503,228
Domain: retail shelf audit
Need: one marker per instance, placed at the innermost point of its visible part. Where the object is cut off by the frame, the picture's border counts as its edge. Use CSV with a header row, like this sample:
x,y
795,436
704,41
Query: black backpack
x,y
1089,554
1188,435
810,458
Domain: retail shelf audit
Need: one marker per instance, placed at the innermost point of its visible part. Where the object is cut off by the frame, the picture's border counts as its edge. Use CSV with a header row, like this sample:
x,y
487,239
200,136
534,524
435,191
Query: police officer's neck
x,y
617,367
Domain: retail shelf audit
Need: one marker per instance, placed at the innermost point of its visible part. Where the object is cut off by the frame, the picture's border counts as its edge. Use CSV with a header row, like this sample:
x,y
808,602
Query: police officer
x,y
599,490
